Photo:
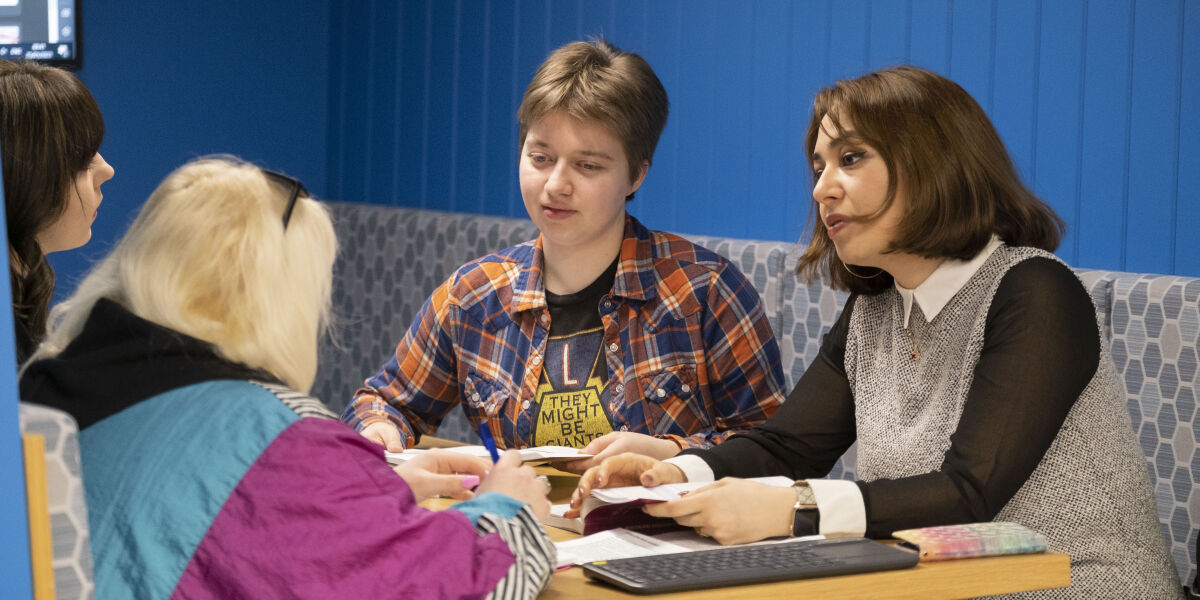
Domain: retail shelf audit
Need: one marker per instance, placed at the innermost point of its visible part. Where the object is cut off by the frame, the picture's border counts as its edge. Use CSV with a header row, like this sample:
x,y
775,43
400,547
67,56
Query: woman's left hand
x,y
733,511
447,474
617,442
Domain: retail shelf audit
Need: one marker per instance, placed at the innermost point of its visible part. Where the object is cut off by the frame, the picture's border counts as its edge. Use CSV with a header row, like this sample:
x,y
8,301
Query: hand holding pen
x,y
510,476
447,474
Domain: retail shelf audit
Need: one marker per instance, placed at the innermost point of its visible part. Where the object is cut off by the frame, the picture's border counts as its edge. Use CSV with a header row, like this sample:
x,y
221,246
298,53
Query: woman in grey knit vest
x,y
967,362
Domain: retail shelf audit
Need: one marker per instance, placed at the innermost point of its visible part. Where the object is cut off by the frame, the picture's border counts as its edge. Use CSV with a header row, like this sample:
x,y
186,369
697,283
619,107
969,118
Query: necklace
x,y
916,353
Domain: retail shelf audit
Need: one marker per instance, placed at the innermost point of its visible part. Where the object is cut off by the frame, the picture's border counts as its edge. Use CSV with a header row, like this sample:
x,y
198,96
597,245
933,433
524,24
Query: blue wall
x,y
413,103
177,80
1099,103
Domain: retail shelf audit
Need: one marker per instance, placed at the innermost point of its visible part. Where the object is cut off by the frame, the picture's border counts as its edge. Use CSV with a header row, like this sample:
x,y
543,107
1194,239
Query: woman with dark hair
x,y
50,134
967,363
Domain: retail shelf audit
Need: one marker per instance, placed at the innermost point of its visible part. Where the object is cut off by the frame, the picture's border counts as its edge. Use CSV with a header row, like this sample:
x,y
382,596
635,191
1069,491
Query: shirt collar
x,y
936,291
634,278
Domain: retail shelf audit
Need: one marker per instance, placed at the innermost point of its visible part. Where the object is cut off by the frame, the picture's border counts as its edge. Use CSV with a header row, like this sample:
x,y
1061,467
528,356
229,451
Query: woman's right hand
x,y
384,434
510,477
620,470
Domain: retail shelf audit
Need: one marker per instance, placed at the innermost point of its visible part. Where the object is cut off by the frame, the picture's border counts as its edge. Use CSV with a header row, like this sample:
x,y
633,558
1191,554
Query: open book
x,y
536,454
611,508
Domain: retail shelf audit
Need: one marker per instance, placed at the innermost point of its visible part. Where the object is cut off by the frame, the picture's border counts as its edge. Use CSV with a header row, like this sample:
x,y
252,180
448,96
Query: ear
x,y
637,183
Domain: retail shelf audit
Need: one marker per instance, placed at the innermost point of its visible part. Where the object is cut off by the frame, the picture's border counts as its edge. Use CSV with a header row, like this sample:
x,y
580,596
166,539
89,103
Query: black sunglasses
x,y
287,183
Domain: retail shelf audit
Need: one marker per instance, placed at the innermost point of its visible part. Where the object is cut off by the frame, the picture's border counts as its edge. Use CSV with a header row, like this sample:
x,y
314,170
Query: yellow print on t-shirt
x,y
572,418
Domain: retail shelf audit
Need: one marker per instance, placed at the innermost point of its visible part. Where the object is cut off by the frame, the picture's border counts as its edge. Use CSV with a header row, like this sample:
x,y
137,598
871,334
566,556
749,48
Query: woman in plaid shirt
x,y
600,334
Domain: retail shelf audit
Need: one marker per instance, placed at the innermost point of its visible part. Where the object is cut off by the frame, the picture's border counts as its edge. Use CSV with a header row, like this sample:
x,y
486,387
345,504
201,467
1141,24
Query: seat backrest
x,y
1155,334
68,510
392,259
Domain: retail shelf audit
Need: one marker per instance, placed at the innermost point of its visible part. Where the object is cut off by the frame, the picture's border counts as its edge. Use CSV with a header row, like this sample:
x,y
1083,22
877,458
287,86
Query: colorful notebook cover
x,y
971,539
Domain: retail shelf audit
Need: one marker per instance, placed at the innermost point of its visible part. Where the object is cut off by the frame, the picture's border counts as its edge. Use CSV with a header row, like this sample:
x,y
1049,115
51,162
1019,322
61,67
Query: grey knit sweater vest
x,y
1090,495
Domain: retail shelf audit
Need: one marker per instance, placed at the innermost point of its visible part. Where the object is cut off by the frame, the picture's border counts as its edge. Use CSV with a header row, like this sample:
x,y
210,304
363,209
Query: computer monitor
x,y
42,30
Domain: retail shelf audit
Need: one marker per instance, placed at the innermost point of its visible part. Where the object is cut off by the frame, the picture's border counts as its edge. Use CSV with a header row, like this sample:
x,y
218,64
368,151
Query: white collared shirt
x,y
936,291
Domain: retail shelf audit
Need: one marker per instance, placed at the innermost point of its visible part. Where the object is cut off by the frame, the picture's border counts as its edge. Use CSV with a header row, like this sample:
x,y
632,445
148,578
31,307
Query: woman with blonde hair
x,y
185,356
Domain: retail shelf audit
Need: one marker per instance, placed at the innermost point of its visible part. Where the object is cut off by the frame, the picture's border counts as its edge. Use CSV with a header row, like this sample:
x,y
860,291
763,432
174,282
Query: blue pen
x,y
485,434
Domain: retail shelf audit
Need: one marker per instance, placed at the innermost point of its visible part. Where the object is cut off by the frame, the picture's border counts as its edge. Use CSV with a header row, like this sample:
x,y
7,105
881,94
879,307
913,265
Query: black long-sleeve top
x,y
1041,348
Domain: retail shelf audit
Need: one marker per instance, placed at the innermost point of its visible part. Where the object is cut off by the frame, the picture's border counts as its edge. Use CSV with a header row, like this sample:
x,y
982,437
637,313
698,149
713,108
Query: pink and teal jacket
x,y
202,482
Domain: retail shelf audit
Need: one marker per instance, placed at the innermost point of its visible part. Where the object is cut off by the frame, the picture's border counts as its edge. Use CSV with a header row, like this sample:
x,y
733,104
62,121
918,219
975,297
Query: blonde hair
x,y
208,256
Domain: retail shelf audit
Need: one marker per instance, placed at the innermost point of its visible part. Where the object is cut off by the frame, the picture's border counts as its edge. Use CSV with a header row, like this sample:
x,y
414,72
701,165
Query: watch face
x,y
804,495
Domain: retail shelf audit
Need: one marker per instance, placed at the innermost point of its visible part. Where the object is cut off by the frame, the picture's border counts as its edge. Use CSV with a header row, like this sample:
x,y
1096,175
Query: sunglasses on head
x,y
288,183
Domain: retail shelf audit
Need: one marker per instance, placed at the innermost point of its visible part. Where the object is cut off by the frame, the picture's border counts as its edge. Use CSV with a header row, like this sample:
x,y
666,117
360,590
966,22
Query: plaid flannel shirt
x,y
690,353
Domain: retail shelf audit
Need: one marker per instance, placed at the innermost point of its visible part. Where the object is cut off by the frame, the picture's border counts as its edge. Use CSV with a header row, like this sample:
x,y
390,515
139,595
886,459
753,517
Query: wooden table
x,y
966,578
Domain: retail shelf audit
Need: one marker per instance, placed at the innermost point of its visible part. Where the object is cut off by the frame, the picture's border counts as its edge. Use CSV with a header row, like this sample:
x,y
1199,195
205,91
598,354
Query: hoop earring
x,y
847,268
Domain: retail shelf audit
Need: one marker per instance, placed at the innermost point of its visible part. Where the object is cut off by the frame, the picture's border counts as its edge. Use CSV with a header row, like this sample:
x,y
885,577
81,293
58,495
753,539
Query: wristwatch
x,y
806,519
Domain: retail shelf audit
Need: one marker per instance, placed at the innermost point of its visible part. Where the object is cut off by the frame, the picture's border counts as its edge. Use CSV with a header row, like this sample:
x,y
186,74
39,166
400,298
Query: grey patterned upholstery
x,y
68,511
392,258
1155,330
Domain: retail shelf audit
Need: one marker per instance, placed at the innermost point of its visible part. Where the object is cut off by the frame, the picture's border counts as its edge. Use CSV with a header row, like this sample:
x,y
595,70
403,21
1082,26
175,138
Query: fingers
x,y
384,434
662,473
374,435
577,466
392,440
587,483
511,459
454,462
451,486
675,509
598,445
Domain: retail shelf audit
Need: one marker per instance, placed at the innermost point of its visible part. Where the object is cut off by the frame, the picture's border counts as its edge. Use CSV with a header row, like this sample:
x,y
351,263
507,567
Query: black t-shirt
x,y
572,393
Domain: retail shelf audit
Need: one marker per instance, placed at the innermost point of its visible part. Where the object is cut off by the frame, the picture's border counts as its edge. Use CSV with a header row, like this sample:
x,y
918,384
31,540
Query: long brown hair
x,y
50,129
960,184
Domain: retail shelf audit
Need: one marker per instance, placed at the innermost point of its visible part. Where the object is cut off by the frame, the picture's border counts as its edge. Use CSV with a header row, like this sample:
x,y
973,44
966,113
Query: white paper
x,y
669,491
555,518
539,453
623,543
611,544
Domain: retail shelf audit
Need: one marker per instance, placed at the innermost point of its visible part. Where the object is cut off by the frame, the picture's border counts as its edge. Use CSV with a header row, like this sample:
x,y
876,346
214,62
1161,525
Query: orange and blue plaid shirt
x,y
690,353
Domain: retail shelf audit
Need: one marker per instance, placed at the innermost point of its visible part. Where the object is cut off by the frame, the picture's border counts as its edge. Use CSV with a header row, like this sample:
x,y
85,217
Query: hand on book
x,y
511,478
618,442
622,470
443,474
384,434
733,511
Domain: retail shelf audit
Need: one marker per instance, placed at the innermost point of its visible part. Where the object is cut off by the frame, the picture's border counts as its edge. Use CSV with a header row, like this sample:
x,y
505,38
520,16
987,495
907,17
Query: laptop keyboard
x,y
740,565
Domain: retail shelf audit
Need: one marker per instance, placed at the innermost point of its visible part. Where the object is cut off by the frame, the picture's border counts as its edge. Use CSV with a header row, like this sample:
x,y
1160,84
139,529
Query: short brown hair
x,y
959,181
596,81
50,129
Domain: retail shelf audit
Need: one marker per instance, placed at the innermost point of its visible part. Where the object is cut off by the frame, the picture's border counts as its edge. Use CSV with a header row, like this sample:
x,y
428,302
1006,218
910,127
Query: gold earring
x,y
847,268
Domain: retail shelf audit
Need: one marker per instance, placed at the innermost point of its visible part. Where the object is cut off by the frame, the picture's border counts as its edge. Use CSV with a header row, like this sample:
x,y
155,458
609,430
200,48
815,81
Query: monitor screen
x,y
42,30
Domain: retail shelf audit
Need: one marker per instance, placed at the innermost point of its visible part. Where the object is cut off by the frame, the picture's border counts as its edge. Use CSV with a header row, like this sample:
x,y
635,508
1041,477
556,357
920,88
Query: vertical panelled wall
x,y
1099,103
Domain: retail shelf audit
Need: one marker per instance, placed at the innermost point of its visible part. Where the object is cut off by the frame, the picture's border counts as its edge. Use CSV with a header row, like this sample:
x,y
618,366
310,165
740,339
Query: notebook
x,y
742,565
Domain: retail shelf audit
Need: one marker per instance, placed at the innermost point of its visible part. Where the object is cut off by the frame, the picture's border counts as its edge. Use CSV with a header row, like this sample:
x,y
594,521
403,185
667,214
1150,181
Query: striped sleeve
x,y
301,404
534,553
